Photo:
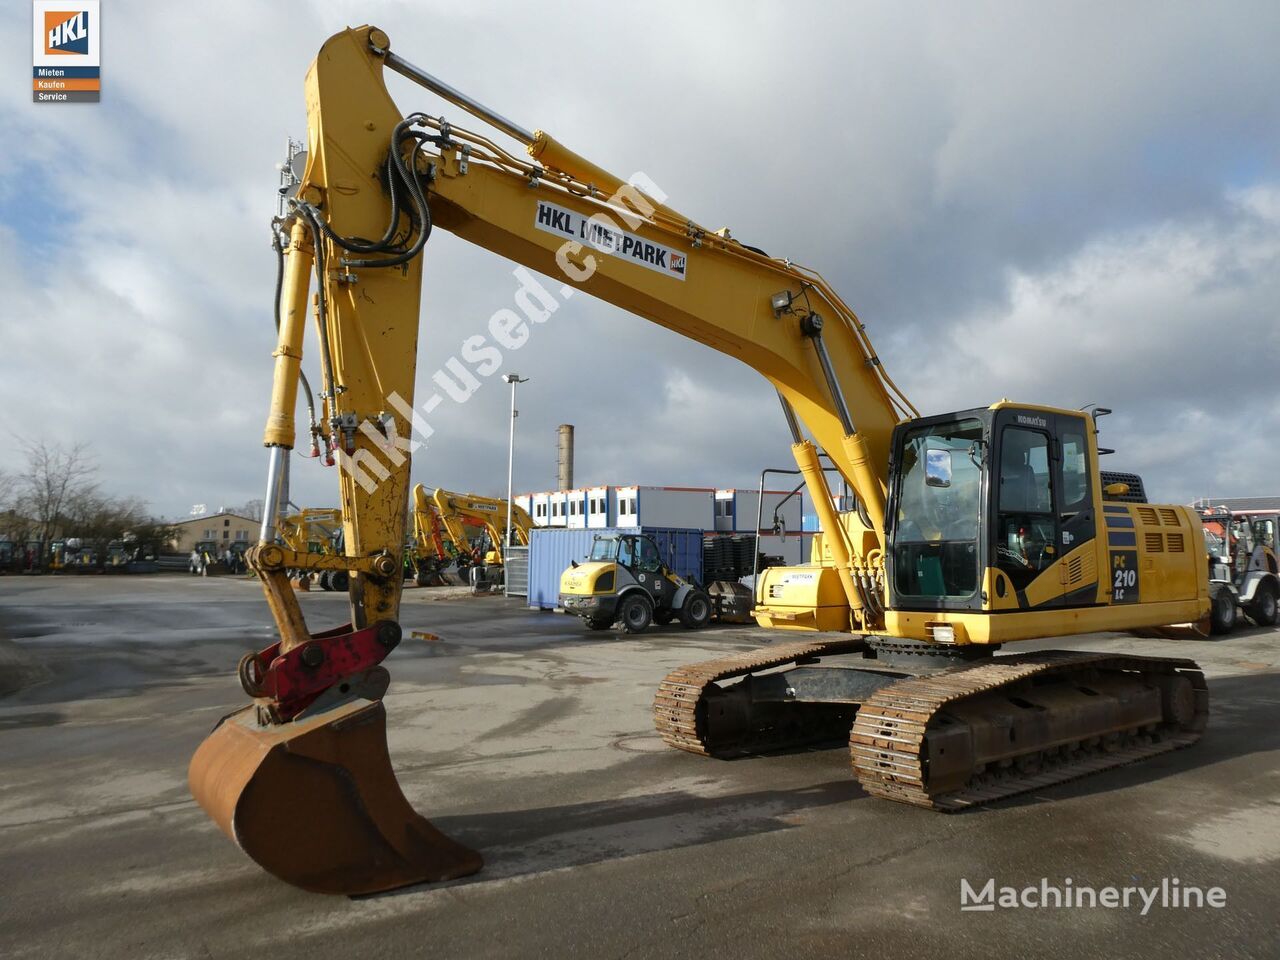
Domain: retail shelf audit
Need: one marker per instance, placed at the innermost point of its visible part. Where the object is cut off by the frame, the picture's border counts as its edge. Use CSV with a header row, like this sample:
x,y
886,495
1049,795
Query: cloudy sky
x,y
1059,203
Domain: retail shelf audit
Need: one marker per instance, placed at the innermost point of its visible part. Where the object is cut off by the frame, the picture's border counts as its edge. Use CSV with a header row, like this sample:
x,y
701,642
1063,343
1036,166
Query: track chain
x,y
889,733
675,706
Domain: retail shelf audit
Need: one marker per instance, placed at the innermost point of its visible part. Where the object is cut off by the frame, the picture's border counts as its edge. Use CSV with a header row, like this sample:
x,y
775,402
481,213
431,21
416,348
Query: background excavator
x,y
456,511
313,530
973,529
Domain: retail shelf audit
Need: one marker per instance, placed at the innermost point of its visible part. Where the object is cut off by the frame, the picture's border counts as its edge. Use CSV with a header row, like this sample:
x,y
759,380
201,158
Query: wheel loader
x,y
973,531
1244,576
624,581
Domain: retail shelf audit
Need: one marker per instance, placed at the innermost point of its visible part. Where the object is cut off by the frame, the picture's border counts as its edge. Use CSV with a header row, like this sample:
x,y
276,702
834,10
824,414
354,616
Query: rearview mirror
x,y
937,468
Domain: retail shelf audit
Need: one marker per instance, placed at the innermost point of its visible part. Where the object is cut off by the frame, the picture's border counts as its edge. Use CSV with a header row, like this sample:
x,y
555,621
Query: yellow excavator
x,y
311,530
459,510
972,530
445,513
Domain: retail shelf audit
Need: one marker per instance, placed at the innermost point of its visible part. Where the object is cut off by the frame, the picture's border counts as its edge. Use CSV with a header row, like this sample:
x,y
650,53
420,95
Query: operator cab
x,y
1009,488
639,556
633,552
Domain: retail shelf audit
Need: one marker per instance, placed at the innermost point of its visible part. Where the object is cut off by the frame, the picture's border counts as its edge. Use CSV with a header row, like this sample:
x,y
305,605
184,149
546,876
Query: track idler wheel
x,y
315,802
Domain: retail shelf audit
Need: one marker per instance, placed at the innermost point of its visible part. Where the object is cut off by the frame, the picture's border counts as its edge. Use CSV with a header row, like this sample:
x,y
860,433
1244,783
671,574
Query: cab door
x,y
1044,514
648,570
1077,512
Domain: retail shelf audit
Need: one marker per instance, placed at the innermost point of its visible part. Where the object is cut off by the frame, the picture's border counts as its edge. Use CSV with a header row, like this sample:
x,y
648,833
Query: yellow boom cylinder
x,y
806,455
288,352
555,155
866,482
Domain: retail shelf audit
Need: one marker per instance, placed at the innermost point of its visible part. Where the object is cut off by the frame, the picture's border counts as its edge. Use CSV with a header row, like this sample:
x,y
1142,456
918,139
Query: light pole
x,y
513,379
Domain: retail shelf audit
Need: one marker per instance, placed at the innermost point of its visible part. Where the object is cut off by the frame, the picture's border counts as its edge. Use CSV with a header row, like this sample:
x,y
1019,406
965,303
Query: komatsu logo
x,y
66,31
1032,421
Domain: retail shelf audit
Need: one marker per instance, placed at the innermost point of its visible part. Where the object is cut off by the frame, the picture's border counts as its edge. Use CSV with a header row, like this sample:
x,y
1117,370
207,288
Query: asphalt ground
x,y
530,739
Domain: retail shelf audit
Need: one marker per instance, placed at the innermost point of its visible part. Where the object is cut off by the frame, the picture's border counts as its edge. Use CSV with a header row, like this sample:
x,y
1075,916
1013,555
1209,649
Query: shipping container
x,y
550,552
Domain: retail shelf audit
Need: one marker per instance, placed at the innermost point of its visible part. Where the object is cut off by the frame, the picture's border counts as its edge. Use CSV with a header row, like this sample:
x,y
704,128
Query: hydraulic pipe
x,y
866,483
792,423
452,94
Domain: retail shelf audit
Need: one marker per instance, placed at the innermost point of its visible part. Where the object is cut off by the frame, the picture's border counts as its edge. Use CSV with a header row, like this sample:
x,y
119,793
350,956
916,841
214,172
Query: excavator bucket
x,y
315,802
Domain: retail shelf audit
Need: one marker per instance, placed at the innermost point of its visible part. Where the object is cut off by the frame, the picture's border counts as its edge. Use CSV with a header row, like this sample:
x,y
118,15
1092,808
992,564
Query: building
x,y
217,530
726,511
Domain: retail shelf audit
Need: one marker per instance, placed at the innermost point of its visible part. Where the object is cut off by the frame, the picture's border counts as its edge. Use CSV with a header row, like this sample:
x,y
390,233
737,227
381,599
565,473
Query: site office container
x,y
642,506
600,508
551,550
737,511
540,509
522,501
575,508
558,501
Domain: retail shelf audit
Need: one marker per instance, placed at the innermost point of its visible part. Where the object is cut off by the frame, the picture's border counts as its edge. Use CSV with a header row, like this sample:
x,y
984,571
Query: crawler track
x,y
683,699
890,740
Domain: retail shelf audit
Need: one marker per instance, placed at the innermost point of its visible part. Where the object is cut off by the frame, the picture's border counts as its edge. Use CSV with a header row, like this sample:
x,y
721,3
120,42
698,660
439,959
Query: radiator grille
x,y
1148,516
1169,517
1155,543
1176,542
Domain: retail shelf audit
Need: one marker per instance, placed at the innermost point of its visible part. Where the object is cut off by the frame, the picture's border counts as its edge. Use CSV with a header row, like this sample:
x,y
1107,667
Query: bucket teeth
x,y
316,803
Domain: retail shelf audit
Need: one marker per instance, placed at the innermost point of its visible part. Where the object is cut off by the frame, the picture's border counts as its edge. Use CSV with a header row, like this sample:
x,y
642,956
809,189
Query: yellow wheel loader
x,y
974,530
624,581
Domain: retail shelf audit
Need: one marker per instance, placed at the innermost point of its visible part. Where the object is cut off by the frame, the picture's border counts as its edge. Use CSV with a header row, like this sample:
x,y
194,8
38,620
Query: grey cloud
x,y
1020,186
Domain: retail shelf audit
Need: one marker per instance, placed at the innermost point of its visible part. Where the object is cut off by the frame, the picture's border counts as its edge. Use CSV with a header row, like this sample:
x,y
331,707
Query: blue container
x,y
809,523
551,549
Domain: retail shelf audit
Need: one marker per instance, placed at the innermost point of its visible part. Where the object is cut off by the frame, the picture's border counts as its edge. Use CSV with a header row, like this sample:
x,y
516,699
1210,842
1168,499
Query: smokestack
x,y
564,456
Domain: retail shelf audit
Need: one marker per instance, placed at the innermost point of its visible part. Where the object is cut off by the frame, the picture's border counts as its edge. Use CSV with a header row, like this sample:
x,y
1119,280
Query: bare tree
x,y
99,521
149,537
53,478
251,510
8,490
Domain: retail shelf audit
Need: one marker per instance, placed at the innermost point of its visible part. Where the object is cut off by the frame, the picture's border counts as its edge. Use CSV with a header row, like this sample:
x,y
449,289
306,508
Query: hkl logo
x,y
677,262
66,31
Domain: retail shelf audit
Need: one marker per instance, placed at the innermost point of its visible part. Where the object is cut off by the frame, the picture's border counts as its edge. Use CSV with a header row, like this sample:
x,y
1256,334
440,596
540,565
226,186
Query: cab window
x,y
938,505
1075,472
1025,527
647,559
